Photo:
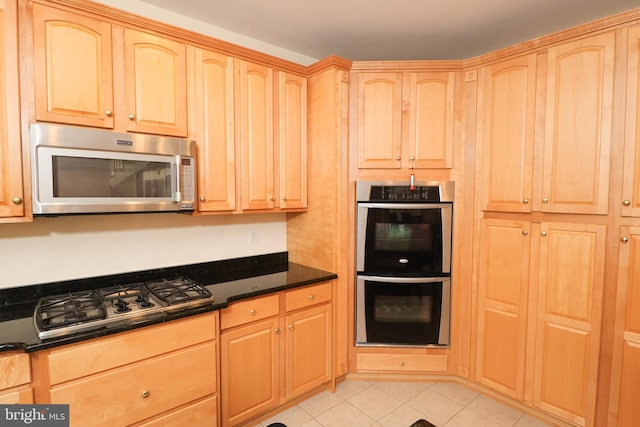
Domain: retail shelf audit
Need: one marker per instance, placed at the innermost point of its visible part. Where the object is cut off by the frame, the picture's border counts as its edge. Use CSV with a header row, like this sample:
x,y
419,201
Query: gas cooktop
x,y
65,314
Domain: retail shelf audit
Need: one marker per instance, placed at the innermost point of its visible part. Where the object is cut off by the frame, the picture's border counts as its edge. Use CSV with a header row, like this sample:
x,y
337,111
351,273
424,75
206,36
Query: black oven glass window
x,y
404,241
94,177
403,313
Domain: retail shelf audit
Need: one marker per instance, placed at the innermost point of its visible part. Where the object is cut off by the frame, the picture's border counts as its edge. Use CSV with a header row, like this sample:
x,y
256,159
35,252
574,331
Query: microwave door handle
x,y
178,195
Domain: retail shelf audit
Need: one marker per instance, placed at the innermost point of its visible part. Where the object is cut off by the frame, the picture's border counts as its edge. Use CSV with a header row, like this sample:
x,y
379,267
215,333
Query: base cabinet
x,y
15,379
144,376
270,356
538,330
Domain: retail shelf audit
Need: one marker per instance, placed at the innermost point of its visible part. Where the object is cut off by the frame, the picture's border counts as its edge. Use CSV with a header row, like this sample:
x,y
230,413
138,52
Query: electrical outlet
x,y
253,239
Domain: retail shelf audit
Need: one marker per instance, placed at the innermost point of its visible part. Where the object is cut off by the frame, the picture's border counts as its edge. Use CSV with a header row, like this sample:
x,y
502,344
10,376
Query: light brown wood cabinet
x,y
631,180
213,96
404,119
11,183
15,379
539,314
509,92
152,374
625,380
76,85
263,348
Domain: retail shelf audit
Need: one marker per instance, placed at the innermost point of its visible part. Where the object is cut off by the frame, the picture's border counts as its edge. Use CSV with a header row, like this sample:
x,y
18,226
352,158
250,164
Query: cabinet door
x,y
568,323
256,104
428,142
379,119
578,123
631,183
155,84
502,305
249,370
509,91
626,381
214,132
292,140
72,68
308,350
11,186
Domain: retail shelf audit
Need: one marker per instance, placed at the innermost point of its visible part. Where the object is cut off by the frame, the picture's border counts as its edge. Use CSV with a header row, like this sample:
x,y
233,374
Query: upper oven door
x,y
411,239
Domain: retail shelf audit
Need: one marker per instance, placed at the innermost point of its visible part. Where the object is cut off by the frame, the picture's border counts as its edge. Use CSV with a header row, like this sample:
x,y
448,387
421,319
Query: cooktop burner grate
x,y
178,290
67,309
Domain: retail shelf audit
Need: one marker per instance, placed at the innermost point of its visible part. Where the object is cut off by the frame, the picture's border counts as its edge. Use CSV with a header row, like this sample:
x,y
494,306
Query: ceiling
x,y
369,30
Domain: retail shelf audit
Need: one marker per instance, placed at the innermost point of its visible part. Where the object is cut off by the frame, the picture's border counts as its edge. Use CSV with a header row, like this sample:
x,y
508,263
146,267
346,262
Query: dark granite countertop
x,y
228,281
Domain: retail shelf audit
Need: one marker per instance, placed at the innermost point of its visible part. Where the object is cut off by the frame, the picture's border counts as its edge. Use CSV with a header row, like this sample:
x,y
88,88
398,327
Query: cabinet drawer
x,y
142,390
24,396
15,370
247,311
203,413
307,296
67,363
402,362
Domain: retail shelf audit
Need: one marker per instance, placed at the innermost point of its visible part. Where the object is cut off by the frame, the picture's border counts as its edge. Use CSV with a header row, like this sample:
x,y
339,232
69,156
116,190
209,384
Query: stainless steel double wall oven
x,y
403,263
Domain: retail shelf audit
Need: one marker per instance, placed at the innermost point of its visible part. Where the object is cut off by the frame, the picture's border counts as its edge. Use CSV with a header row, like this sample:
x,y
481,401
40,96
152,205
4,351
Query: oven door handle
x,y
405,280
407,205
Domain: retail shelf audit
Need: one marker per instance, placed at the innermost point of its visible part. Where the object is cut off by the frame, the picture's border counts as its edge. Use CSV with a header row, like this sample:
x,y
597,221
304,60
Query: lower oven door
x,y
403,311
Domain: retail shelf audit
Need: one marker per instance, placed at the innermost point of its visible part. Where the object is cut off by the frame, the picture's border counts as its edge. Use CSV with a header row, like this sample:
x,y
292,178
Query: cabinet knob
x,y
398,158
626,202
291,327
108,113
284,198
132,117
145,394
202,199
253,312
17,200
277,331
624,240
525,232
272,199
312,297
543,233
412,158
525,201
402,363
545,200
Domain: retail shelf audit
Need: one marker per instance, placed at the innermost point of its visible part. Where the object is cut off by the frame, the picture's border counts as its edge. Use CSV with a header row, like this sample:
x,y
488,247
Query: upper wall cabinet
x,y
156,84
578,126
11,185
631,183
508,114
73,68
214,130
75,58
404,120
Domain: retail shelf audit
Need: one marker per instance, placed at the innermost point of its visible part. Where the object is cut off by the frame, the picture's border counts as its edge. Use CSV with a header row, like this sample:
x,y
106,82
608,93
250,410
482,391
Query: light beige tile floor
x,y
400,404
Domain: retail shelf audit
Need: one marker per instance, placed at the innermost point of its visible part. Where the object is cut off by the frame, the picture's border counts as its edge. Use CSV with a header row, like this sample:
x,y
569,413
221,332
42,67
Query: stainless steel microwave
x,y
81,170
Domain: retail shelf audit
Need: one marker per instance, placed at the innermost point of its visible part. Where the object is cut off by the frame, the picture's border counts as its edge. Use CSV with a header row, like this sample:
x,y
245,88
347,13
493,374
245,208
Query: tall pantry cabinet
x,y
545,137
11,184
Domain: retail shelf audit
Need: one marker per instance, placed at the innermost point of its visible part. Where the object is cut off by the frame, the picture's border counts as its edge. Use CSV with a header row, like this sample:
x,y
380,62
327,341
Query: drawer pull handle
x,y
312,297
253,312
145,394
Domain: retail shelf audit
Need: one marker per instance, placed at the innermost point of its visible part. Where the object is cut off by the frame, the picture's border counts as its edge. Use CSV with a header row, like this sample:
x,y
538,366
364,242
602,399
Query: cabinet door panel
x,y
11,185
502,301
569,316
508,135
578,125
256,135
292,141
156,84
72,68
308,350
379,119
631,183
249,371
430,135
215,131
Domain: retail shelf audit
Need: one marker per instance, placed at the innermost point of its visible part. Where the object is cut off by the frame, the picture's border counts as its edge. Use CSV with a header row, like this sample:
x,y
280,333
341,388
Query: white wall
x,y
72,247
146,10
